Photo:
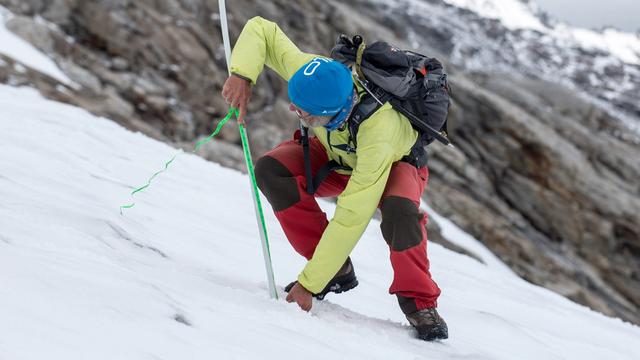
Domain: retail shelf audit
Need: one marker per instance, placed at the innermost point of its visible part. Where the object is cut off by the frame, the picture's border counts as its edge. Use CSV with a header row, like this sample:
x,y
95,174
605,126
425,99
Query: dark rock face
x,y
546,179
556,197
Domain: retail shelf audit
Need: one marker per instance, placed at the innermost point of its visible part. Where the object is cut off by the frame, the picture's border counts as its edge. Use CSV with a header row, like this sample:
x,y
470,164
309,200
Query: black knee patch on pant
x,y
400,225
276,183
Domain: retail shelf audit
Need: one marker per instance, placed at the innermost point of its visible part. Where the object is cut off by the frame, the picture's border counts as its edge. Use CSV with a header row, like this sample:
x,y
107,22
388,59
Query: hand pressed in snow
x,y
301,296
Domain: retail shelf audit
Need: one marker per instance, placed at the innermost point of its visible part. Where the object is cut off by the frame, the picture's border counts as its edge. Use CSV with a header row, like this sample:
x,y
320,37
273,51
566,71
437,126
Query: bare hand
x,y
301,296
237,92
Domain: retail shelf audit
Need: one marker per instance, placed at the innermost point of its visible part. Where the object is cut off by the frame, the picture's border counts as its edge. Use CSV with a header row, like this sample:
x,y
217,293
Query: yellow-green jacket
x,y
382,139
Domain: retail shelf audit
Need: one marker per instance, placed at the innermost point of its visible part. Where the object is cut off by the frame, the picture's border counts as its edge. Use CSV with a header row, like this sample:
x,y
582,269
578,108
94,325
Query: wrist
x,y
242,77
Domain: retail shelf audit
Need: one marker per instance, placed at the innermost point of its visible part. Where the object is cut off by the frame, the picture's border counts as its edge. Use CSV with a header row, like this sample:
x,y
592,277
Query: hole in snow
x,y
181,319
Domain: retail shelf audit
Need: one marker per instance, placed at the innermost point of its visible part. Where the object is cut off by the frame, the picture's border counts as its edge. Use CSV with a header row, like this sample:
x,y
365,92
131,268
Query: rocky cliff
x,y
544,172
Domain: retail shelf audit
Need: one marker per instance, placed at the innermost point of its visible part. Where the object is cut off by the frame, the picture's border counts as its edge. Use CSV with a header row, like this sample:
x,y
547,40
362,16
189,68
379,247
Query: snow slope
x,y
180,276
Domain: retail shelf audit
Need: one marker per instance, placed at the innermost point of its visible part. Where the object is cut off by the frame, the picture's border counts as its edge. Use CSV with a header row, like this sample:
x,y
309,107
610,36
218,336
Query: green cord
x,y
231,112
154,175
254,184
217,130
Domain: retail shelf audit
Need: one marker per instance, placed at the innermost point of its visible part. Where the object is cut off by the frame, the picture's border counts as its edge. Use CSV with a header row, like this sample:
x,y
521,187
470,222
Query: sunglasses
x,y
299,113
312,120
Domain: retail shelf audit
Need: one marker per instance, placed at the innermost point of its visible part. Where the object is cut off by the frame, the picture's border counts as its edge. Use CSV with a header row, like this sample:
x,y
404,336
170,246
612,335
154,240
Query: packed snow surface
x,y
181,276
24,53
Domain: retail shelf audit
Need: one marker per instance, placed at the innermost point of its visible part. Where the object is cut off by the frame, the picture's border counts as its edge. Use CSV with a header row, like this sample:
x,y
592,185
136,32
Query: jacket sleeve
x,y
355,205
260,43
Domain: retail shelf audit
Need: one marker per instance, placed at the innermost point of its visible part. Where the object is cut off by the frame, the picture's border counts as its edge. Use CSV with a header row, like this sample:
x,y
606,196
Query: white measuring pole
x,y
257,207
225,33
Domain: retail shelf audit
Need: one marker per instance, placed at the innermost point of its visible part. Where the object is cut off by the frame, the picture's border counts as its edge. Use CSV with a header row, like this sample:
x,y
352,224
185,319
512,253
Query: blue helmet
x,y
323,87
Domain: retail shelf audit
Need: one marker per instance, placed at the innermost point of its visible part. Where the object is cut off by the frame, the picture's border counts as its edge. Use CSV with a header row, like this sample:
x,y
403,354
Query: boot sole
x,y
433,336
343,288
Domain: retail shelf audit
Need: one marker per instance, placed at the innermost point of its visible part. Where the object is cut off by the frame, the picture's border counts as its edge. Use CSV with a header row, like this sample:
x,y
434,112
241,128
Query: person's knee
x,y
276,182
262,171
401,223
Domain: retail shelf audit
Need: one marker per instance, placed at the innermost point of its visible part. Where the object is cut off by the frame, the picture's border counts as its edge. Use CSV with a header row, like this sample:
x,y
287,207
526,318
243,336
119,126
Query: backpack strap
x,y
359,60
358,42
313,183
418,154
365,108
304,139
369,104
322,174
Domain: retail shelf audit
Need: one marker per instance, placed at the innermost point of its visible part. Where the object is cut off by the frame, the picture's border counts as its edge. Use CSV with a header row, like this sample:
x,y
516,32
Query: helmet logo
x,y
313,65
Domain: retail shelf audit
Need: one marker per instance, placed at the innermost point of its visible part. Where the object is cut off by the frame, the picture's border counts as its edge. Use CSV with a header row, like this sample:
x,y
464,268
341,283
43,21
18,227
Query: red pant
x,y
281,178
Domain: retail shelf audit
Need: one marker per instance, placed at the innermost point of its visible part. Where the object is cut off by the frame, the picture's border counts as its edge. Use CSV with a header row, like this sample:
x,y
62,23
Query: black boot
x,y
344,280
429,324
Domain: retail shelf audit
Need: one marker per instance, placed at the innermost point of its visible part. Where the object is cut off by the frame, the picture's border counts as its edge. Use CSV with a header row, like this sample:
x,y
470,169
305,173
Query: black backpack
x,y
415,85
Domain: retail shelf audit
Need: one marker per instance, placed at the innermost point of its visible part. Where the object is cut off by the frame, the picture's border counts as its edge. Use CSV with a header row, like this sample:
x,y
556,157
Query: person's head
x,y
321,93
